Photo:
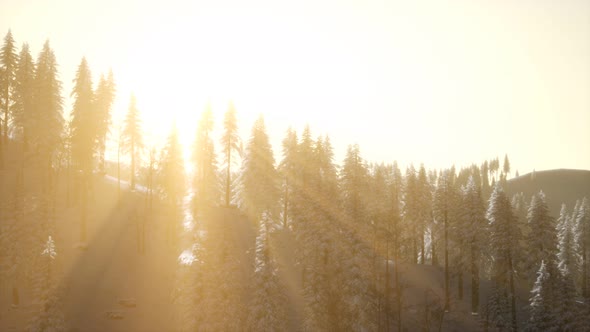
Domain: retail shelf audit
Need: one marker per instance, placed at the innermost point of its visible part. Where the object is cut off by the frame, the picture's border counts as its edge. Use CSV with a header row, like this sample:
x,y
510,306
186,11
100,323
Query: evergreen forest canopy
x,y
257,243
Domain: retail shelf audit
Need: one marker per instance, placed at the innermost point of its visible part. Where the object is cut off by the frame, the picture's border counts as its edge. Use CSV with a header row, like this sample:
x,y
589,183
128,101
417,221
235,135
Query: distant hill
x,y
559,185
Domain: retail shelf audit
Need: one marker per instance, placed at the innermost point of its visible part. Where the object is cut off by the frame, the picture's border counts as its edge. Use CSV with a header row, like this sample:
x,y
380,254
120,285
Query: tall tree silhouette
x,y
105,97
8,64
205,182
22,111
83,125
231,143
504,239
171,181
48,123
259,186
132,136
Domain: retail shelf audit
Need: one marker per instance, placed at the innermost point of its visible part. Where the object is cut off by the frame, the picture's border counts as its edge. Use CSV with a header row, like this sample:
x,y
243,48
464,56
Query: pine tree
x,y
205,181
288,170
444,200
231,143
267,309
353,181
504,238
8,65
22,111
103,104
506,167
541,315
542,240
83,125
424,209
171,182
566,245
259,178
410,212
473,216
132,137
48,123
50,316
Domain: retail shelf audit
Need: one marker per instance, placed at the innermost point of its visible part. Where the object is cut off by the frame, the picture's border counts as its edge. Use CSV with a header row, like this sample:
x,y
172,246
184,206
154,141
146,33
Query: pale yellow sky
x,y
442,83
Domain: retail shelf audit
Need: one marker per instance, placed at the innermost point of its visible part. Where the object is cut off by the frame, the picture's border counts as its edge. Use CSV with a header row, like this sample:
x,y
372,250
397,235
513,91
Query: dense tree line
x,y
351,230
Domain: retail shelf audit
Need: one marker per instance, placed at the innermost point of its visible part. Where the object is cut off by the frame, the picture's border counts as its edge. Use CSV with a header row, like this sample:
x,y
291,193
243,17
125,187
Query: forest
x,y
243,240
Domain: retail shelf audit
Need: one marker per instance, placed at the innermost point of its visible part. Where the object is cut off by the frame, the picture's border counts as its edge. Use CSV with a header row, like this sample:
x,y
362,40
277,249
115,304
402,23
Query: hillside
x,y
559,185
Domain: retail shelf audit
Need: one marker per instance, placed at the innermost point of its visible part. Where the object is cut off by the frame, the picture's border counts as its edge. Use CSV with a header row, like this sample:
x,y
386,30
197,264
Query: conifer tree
x,y
22,111
205,181
8,65
504,238
50,316
171,181
267,309
473,216
566,246
230,143
353,180
444,200
103,104
542,240
288,170
506,166
541,315
83,125
258,179
132,137
48,123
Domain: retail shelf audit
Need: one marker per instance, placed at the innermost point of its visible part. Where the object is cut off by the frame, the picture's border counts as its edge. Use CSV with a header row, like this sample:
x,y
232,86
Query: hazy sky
x,y
438,82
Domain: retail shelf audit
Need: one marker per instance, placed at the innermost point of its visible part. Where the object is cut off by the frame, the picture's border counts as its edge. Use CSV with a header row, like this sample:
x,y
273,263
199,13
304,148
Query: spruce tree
x,y
132,137
475,228
231,143
445,197
22,111
8,65
83,125
171,182
259,178
542,240
205,182
267,310
288,170
541,314
503,240
103,104
48,123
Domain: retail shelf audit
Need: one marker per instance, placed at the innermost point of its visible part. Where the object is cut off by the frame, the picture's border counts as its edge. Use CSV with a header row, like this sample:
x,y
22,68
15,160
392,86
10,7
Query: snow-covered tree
x,y
50,317
566,245
542,240
540,303
504,241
